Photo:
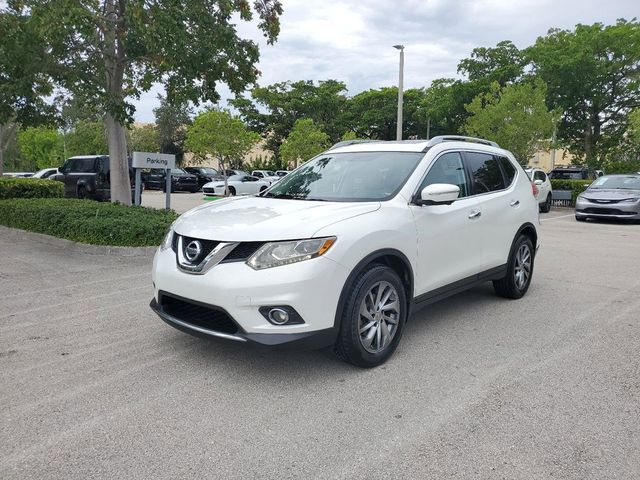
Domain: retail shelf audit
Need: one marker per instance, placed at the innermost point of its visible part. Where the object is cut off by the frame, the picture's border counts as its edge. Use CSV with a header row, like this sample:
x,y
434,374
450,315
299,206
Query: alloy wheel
x,y
522,267
378,317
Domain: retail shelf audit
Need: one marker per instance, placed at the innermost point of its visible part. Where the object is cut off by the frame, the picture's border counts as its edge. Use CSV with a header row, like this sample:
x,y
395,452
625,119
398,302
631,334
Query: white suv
x,y
341,250
542,184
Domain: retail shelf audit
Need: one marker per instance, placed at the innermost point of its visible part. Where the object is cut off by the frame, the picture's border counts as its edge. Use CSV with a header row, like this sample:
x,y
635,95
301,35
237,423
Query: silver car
x,y
610,196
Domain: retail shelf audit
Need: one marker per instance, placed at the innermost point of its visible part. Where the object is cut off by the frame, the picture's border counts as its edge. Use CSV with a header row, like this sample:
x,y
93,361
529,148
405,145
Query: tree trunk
x,y
118,163
1,153
115,62
7,130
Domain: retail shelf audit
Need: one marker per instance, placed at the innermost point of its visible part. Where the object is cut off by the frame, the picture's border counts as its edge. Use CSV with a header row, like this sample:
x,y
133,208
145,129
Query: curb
x,y
76,247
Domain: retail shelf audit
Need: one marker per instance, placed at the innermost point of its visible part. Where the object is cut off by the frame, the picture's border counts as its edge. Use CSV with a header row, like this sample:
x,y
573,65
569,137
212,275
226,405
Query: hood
x,y
249,219
604,194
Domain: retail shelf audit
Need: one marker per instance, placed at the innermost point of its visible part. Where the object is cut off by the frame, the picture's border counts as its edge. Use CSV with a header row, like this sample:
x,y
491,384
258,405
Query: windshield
x,y
618,182
570,175
209,171
348,177
177,170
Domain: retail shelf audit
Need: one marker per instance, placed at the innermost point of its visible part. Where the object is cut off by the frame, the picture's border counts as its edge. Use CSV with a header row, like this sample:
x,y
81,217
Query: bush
x,y
30,188
576,187
88,222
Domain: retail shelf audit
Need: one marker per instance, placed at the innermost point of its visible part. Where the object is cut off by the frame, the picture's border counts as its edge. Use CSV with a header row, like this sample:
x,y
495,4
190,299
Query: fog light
x,y
281,315
278,316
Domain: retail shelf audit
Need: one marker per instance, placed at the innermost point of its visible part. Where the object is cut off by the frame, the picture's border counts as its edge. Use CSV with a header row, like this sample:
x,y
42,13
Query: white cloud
x,y
351,40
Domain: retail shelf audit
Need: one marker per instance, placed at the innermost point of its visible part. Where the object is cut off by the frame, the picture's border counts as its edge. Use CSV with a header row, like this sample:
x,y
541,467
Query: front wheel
x,y
519,270
373,317
546,206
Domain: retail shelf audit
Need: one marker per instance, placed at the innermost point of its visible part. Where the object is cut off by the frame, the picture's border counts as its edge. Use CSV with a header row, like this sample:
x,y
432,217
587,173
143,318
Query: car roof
x,y
454,141
86,156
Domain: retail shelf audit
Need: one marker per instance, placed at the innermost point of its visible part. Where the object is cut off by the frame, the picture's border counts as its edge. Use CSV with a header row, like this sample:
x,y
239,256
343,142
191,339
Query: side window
x,y
447,168
85,165
540,175
509,170
485,172
257,174
252,179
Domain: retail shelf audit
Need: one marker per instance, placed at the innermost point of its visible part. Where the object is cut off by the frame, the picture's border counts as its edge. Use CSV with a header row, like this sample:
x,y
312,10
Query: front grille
x,y
207,246
242,252
203,316
209,190
605,211
602,201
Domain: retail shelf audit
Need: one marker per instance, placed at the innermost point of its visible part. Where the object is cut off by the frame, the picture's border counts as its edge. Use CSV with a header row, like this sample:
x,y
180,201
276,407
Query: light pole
x,y
400,91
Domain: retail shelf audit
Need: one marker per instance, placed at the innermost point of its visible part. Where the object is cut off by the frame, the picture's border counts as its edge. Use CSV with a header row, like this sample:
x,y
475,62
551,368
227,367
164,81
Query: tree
x,y
593,76
172,120
374,114
222,136
111,51
143,138
306,140
503,63
516,117
22,84
272,111
87,138
42,146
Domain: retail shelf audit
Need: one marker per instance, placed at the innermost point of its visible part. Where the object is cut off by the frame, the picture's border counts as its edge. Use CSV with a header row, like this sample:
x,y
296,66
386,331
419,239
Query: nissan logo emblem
x,y
193,250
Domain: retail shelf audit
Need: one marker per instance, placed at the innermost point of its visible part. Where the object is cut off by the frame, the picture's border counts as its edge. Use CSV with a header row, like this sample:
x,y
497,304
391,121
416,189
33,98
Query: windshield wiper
x,y
281,195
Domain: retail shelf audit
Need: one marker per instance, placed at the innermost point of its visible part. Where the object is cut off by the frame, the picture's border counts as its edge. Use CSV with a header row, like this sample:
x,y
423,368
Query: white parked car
x,y
343,249
544,193
238,185
46,173
266,175
282,173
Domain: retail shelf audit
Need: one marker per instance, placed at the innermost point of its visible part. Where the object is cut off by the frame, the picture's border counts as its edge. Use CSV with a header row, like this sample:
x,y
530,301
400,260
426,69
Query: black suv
x,y
87,177
204,174
574,173
181,181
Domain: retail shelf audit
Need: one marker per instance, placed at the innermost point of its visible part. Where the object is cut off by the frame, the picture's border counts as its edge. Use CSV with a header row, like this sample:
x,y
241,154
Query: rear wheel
x,y
262,189
372,318
519,270
546,206
232,191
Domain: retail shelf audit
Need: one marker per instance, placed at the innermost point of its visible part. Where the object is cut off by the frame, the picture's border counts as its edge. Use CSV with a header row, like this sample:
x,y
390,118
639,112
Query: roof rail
x,y
345,143
460,138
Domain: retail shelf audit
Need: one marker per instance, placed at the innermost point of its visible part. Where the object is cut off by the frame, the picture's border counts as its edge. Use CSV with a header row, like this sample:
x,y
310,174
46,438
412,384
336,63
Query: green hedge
x,y
88,222
576,187
30,188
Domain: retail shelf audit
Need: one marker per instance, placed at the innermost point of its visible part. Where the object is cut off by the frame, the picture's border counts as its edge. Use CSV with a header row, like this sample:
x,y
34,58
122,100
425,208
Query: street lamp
x,y
400,92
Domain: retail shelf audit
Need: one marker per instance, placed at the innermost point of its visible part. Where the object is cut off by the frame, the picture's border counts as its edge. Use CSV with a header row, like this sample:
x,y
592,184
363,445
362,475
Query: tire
x,y
373,346
262,189
82,192
546,206
516,282
581,219
232,191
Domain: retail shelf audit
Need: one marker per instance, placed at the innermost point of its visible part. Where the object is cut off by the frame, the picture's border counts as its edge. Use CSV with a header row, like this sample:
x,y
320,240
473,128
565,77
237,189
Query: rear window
x,y
509,169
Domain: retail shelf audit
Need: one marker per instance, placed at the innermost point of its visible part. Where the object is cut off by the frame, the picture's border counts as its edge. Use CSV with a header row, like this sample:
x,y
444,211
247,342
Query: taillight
x,y
534,189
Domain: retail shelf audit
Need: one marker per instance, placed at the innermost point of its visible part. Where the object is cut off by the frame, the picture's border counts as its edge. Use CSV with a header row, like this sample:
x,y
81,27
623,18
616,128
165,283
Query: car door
x,y
545,187
250,185
499,203
447,248
67,178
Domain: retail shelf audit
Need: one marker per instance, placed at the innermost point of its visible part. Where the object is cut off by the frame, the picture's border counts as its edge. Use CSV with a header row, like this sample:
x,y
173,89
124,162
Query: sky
x,y
352,40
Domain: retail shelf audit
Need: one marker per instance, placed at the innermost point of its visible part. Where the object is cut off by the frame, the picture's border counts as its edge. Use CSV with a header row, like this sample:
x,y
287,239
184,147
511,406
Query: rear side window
x,y
509,169
486,175
83,165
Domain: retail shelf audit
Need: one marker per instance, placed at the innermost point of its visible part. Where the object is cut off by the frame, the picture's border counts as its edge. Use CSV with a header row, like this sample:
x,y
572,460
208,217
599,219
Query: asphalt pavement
x,y
94,385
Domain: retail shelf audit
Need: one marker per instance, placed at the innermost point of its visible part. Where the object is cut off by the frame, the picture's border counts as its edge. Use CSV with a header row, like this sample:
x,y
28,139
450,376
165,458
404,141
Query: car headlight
x,y
631,200
168,240
275,254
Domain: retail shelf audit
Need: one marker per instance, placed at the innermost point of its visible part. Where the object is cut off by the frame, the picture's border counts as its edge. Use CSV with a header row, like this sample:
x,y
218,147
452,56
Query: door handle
x,y
475,214
514,203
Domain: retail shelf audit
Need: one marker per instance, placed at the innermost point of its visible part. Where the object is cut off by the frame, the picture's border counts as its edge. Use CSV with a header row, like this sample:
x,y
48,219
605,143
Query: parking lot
x,y
94,385
180,201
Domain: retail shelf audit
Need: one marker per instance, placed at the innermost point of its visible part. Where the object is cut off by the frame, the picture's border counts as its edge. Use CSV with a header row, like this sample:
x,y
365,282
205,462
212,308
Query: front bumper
x,y
311,287
304,341
620,210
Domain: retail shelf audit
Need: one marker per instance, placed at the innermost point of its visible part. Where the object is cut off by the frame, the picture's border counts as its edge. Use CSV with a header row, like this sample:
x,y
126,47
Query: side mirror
x,y
439,194
538,182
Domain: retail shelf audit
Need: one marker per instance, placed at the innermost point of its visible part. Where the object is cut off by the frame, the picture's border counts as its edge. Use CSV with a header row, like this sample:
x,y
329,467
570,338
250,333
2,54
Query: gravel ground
x,y
95,386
